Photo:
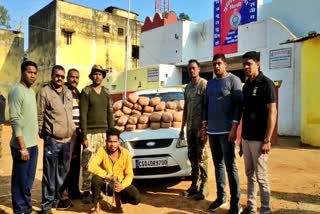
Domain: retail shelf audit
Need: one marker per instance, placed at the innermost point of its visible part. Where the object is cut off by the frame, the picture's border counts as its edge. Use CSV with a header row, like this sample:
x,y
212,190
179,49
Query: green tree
x,y
184,16
4,17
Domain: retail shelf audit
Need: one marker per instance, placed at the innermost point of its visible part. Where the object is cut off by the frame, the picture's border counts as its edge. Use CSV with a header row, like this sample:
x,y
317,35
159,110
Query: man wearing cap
x,y
95,118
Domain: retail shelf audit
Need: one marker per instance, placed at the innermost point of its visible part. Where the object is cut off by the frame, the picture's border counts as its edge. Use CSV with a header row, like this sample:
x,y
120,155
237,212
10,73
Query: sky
x,y
21,10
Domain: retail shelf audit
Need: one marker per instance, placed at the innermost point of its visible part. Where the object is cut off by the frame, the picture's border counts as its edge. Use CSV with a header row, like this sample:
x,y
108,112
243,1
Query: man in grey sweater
x,y
223,114
23,143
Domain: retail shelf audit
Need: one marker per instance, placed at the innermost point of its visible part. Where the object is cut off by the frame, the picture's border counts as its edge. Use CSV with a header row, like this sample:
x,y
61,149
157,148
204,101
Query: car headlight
x,y
181,143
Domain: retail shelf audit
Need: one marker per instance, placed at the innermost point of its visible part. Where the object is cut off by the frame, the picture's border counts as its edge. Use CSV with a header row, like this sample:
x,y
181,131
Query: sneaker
x,y
248,210
86,199
236,210
217,204
64,204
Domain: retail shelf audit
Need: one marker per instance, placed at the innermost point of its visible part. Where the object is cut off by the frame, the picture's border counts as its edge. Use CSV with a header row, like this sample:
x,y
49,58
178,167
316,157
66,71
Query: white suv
x,y
158,153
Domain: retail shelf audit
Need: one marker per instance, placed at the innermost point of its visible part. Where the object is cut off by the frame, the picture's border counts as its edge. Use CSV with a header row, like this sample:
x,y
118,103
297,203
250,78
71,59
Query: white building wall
x,y
299,16
197,40
161,45
169,75
270,35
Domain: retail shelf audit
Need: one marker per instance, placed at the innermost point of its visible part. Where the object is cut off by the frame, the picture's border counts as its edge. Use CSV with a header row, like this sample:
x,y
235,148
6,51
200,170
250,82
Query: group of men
x,y
214,109
66,119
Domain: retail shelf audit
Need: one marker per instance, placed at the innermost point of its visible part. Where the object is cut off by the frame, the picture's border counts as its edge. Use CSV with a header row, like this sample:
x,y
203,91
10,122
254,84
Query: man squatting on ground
x,y
113,164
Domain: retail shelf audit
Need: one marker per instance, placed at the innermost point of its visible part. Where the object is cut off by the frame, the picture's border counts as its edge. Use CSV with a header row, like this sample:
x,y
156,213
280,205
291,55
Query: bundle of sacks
x,y
139,112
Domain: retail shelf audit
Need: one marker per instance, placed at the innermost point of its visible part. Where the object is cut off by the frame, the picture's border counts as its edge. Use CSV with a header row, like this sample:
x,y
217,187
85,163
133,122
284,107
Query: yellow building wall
x,y
90,45
310,88
11,57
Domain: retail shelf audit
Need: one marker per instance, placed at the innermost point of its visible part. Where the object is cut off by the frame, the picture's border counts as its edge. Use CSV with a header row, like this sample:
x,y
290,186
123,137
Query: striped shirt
x,y
75,109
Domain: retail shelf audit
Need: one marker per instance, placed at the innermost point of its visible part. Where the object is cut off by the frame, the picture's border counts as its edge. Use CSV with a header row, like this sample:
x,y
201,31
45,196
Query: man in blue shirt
x,y
223,113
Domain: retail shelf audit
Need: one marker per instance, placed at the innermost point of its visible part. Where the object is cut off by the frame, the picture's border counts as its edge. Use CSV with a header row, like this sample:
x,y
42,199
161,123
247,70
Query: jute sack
x,y
170,110
144,119
171,105
127,104
146,114
154,101
133,98
176,124
126,110
155,117
155,125
167,117
117,105
133,120
137,106
161,106
144,101
120,128
165,125
177,116
136,112
122,120
142,126
130,127
118,113
148,109
181,105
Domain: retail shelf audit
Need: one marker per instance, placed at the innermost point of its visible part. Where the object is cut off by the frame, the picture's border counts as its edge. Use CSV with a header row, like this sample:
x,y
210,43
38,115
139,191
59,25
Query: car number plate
x,y
147,163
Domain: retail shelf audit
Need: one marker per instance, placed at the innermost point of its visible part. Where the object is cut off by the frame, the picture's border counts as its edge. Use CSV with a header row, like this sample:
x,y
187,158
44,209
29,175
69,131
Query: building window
x,y
135,52
106,28
120,32
67,35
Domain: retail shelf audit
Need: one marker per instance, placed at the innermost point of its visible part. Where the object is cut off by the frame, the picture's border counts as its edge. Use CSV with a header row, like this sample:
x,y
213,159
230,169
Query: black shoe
x,y
248,210
217,204
64,204
191,191
202,193
86,199
75,195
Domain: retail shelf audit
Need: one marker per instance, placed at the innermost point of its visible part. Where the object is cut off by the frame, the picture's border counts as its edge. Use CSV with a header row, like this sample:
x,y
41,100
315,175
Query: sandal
x,y
93,212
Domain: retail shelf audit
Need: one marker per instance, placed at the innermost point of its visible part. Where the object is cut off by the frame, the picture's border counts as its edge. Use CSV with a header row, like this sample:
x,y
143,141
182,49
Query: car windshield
x,y
166,96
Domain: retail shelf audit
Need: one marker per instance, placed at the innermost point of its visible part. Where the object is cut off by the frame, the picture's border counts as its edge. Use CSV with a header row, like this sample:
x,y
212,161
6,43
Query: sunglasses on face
x,y
60,76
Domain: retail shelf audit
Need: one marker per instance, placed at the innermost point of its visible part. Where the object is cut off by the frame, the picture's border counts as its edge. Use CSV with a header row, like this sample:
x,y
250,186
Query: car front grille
x,y
156,170
151,144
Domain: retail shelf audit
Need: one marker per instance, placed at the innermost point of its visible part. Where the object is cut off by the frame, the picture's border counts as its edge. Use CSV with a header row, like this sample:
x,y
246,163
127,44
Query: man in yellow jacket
x,y
112,173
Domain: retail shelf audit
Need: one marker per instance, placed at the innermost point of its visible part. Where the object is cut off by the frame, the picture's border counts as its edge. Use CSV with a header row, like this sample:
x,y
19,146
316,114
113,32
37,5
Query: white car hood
x,y
147,134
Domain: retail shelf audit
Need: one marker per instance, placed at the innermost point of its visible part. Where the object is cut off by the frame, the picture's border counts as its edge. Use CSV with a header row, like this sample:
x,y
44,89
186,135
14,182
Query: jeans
x,y
72,181
129,195
23,174
223,156
56,157
256,166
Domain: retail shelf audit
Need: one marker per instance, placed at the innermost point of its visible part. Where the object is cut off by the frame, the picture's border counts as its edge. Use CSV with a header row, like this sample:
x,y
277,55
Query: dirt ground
x,y
294,174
